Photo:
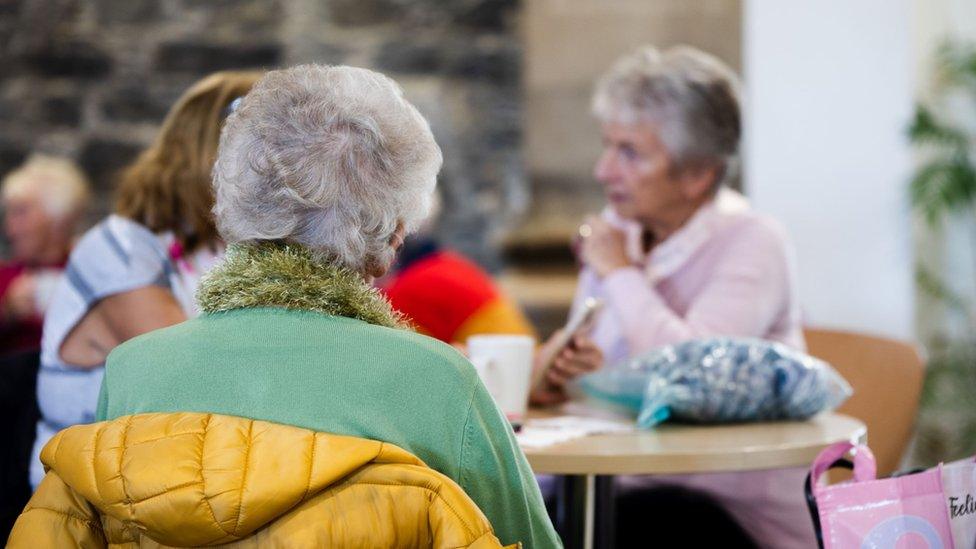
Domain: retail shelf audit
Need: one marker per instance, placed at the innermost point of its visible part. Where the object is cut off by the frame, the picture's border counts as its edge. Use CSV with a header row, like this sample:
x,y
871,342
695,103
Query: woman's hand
x,y
20,303
581,356
602,246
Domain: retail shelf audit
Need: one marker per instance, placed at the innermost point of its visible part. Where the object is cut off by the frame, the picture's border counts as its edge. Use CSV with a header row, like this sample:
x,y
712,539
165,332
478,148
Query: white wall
x,y
829,91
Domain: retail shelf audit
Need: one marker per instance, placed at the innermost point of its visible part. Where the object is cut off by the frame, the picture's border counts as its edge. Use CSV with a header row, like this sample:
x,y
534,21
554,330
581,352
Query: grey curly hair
x,y
691,96
329,157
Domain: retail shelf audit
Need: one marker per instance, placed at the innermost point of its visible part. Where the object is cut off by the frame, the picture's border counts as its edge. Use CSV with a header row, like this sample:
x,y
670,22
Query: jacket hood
x,y
224,477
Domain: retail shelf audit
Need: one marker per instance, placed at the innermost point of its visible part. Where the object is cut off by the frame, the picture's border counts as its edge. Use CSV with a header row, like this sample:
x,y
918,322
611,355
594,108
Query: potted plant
x,y
943,187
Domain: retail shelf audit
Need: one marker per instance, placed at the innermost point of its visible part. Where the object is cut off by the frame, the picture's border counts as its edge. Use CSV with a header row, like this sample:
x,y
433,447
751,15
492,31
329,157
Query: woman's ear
x,y
396,239
384,264
698,182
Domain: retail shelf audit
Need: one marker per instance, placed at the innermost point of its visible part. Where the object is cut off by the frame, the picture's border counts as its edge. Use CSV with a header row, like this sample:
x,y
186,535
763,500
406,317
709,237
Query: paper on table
x,y
539,433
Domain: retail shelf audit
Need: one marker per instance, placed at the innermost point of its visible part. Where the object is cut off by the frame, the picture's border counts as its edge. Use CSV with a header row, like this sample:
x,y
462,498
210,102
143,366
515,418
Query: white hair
x,y
332,158
58,183
690,96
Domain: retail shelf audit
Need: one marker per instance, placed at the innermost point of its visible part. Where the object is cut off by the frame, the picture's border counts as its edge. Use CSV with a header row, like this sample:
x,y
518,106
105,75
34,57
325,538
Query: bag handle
x,y
865,467
812,500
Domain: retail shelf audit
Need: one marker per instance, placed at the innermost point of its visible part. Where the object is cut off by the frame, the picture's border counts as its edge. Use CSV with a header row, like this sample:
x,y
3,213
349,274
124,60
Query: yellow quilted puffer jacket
x,y
190,479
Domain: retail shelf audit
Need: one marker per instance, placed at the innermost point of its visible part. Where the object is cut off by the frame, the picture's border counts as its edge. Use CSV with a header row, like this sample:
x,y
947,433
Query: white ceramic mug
x,y
504,364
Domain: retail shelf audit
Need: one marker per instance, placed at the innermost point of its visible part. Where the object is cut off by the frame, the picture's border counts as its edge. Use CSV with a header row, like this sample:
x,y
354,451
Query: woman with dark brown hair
x,y
137,270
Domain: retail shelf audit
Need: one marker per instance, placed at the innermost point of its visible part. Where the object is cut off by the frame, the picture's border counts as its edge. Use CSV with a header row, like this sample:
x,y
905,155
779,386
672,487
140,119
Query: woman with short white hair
x,y
320,174
43,202
343,170
677,255
706,264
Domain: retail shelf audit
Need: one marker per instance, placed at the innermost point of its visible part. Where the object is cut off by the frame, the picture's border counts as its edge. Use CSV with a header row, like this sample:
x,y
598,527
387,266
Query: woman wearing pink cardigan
x,y
677,256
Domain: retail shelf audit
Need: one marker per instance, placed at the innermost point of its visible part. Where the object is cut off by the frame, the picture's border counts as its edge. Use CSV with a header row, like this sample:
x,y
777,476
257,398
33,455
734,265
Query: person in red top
x,y
448,297
43,203
445,295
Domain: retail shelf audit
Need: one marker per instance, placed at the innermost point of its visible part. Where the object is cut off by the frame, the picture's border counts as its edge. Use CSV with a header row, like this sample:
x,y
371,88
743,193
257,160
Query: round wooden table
x,y
592,461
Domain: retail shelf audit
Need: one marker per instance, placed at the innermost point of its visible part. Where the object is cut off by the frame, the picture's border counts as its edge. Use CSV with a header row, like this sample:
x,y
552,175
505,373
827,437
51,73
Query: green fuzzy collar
x,y
288,276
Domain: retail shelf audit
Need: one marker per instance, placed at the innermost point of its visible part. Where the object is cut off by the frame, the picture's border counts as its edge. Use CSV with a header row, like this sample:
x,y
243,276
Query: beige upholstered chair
x,y
887,379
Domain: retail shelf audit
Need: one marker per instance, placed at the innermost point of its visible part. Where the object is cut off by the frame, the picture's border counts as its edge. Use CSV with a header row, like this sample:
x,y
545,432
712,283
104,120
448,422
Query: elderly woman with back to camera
x,y
321,173
137,269
677,255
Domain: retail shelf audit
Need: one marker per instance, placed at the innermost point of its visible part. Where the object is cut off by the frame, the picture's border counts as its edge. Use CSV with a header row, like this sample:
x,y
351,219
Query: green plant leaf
x,y
925,129
957,63
931,284
942,186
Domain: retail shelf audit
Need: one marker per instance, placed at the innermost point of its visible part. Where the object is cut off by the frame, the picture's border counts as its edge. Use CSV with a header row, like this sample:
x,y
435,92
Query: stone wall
x,y
92,79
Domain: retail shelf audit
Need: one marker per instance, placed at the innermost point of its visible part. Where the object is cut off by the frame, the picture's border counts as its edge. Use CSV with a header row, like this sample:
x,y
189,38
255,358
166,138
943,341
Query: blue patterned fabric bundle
x,y
721,380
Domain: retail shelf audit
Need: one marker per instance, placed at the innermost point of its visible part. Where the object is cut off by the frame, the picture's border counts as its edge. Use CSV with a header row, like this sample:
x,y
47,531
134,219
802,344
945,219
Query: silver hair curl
x,y
330,157
691,96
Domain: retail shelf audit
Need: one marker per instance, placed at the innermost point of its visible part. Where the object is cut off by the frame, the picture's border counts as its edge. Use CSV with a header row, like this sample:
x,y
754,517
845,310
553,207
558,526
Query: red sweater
x,y
21,335
451,298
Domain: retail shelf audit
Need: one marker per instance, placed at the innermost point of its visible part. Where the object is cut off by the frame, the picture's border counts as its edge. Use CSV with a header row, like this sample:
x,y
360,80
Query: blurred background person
x,y
448,297
444,294
321,173
137,270
675,256
44,202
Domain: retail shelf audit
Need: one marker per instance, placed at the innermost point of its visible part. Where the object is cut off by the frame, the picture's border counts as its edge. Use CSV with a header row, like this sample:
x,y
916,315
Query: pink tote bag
x,y
959,484
906,512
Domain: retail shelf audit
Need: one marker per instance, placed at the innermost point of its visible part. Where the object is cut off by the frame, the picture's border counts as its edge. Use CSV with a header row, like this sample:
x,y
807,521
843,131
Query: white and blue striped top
x,y
115,256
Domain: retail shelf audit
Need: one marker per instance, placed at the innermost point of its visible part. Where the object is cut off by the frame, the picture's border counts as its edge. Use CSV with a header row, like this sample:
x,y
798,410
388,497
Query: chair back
x,y
887,377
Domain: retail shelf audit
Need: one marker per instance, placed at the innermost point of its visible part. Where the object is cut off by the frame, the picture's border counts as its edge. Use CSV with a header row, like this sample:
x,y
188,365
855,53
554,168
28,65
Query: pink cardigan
x,y
728,271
